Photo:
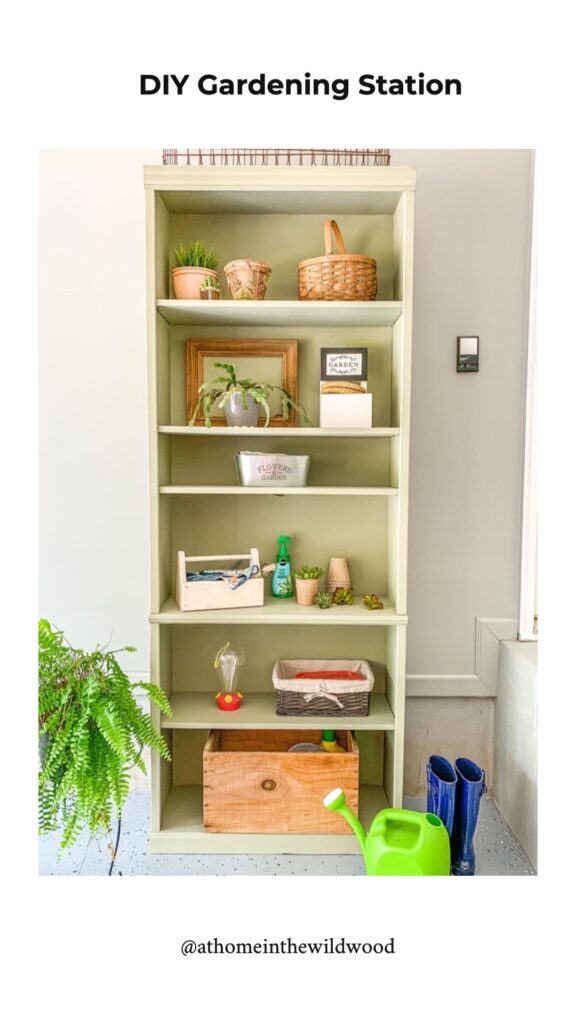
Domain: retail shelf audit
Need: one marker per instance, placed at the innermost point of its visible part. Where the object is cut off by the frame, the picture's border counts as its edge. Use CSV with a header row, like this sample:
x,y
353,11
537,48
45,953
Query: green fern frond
x,y
92,731
157,696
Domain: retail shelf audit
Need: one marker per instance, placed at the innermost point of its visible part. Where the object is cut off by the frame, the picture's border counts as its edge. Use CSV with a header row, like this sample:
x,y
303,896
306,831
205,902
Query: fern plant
x,y
91,732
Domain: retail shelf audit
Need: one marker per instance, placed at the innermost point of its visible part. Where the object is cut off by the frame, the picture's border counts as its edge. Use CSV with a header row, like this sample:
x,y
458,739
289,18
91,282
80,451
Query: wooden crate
x,y
252,783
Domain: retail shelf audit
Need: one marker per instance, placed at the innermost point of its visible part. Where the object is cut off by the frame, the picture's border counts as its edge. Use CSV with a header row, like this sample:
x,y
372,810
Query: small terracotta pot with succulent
x,y
210,289
307,583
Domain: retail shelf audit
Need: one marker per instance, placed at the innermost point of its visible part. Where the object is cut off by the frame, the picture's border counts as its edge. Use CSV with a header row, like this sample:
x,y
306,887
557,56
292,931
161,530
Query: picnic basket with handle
x,y
337,276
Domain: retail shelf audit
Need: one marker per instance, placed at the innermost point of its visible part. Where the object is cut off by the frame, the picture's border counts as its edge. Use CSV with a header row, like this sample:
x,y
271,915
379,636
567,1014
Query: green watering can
x,y
399,842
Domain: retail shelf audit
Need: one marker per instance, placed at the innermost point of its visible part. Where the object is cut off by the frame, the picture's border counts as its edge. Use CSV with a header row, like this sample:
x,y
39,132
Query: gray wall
x,y
515,742
473,220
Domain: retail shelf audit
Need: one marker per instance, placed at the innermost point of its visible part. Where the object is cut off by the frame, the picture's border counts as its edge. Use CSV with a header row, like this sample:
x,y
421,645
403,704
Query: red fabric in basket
x,y
329,674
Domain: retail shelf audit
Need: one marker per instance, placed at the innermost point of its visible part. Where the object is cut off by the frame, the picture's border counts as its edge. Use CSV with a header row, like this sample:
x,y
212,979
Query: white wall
x,y
472,245
93,407
515,742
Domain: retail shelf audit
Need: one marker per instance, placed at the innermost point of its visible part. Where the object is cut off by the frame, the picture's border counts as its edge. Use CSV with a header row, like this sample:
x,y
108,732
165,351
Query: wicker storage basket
x,y
331,697
343,276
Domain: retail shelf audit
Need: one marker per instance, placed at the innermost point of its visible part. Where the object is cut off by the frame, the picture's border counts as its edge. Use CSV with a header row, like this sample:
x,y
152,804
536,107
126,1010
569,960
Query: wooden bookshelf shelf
x,y
250,492
278,613
286,433
182,829
278,214
197,710
229,313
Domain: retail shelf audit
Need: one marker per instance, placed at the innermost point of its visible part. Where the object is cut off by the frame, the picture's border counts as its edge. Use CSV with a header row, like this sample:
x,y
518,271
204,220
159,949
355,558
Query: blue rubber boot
x,y
470,786
441,786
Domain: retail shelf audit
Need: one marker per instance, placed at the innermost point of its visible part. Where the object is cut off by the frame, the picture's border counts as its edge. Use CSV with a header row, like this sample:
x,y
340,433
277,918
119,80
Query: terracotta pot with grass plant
x,y
210,289
189,274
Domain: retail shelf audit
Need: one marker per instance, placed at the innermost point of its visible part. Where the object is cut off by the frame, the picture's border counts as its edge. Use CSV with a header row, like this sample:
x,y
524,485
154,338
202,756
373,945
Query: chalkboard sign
x,y
344,364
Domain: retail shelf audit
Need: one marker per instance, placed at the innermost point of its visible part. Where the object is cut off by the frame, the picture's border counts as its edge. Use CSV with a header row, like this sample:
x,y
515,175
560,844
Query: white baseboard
x,y
489,633
446,686
484,681
139,677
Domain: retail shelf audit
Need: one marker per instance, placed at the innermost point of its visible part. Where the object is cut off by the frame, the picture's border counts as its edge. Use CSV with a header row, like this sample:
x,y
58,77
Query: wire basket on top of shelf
x,y
277,157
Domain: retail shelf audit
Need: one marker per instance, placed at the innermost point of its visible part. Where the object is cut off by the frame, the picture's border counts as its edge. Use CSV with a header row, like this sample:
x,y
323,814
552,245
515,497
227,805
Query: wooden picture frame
x,y
231,351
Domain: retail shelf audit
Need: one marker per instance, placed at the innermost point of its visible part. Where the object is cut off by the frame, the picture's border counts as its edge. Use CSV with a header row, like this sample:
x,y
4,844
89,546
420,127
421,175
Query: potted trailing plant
x,y
91,732
189,274
243,400
210,289
307,583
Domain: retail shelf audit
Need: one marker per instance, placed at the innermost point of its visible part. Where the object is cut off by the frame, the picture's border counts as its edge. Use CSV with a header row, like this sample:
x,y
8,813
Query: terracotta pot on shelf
x,y
306,591
210,294
247,279
187,281
338,575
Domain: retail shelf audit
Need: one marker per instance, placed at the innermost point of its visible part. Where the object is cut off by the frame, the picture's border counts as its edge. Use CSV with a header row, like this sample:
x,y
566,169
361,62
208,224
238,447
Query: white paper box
x,y
345,410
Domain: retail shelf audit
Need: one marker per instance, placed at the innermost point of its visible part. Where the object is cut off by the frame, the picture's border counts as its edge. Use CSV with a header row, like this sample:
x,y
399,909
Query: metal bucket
x,y
262,469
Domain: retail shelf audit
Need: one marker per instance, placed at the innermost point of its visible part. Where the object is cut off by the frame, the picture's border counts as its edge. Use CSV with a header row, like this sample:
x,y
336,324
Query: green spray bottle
x,y
282,583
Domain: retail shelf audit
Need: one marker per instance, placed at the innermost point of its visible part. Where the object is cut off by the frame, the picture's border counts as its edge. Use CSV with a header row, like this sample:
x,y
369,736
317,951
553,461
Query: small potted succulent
x,y
243,400
323,599
210,289
191,263
307,583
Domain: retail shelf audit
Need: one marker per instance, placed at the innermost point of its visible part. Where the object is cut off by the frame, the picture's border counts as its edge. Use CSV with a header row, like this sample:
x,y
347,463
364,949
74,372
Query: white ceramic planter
x,y
235,413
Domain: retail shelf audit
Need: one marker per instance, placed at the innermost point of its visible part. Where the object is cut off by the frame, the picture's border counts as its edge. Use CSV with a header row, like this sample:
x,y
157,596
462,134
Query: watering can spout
x,y
336,801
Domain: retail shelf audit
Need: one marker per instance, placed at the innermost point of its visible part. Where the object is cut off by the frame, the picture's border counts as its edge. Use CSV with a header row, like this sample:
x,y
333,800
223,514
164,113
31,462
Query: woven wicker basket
x,y
329,697
343,276
352,704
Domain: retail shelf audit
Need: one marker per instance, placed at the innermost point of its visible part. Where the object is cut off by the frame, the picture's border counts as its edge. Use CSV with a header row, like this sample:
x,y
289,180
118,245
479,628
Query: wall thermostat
x,y
467,354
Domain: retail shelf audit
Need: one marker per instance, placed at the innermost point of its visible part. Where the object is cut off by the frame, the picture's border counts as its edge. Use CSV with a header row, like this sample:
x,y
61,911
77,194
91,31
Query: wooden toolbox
x,y
252,783
208,595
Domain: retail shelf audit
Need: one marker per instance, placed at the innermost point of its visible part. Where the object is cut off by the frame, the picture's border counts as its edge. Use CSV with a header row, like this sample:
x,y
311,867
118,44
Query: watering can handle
x,y
393,814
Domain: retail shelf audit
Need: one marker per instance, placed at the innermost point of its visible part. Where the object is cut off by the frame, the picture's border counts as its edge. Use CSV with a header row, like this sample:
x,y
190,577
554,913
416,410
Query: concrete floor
x,y
497,852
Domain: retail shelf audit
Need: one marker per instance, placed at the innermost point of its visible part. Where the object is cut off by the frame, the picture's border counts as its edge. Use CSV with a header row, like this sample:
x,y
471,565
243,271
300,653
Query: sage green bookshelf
x,y
357,501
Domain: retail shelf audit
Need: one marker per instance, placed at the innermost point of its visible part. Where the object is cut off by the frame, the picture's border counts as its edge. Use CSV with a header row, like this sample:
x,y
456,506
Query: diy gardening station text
x,y
307,85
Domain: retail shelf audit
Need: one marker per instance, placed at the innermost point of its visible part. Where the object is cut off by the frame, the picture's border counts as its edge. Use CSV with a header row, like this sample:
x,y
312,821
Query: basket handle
x,y
331,227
